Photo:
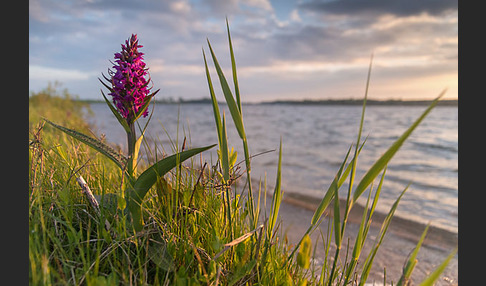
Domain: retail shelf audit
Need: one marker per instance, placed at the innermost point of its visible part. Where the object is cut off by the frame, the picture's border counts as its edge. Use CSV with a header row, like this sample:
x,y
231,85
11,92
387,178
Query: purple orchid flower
x,y
129,86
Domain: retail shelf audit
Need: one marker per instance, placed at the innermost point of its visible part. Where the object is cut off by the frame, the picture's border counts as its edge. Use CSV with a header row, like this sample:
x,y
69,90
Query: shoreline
x,y
405,228
316,102
295,216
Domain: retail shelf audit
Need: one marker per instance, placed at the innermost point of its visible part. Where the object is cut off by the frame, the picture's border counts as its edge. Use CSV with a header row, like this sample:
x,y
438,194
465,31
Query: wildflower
x,y
130,89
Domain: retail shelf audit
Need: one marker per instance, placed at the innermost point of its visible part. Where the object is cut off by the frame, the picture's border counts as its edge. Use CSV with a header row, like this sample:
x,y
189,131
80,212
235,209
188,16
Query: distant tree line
x,y
207,100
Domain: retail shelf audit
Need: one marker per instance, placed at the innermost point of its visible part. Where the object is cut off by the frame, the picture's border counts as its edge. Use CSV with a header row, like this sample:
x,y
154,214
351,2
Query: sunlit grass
x,y
198,230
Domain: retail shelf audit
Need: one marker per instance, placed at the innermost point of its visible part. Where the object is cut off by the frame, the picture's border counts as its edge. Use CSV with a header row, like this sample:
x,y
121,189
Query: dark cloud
x,y
399,8
326,44
82,36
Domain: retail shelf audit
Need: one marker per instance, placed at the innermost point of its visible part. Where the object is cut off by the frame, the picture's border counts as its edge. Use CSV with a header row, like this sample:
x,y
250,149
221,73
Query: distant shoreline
x,y
449,102
369,102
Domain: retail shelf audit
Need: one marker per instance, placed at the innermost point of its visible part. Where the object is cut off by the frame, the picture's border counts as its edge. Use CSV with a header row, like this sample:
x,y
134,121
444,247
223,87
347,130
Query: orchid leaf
x,y
96,144
115,112
148,178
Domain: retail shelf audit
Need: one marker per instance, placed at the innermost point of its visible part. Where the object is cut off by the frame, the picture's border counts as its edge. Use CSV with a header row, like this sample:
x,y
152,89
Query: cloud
x,y
36,11
286,40
53,74
399,8
294,16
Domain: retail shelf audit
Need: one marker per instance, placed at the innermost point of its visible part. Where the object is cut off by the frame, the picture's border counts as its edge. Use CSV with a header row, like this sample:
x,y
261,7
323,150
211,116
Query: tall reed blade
x,y
233,68
359,241
388,155
337,219
226,175
349,202
232,106
245,142
277,195
354,162
338,234
384,228
336,183
430,280
236,114
330,192
225,153
214,101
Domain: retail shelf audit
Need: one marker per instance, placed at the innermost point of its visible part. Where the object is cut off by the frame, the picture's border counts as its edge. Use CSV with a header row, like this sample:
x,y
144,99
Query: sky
x,y
284,50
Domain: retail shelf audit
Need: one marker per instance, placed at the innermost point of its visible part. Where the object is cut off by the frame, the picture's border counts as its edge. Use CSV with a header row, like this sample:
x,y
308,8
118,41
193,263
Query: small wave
x,y
423,185
436,146
422,167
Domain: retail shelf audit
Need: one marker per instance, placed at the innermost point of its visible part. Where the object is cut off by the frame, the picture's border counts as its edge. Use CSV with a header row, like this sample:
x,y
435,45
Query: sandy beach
x,y
296,213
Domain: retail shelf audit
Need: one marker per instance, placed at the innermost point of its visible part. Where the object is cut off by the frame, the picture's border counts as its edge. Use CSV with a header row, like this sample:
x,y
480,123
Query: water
x,y
315,140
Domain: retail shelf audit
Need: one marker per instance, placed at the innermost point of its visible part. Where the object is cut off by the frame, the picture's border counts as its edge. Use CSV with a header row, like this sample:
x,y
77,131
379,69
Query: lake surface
x,y
315,140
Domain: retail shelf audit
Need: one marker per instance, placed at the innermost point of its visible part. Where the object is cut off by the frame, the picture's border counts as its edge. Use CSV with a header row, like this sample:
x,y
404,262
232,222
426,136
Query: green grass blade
x,y
384,228
224,152
96,144
245,142
347,171
277,195
337,219
232,106
326,200
388,155
303,257
378,191
136,151
359,241
354,162
412,260
226,170
341,177
236,114
329,194
430,280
